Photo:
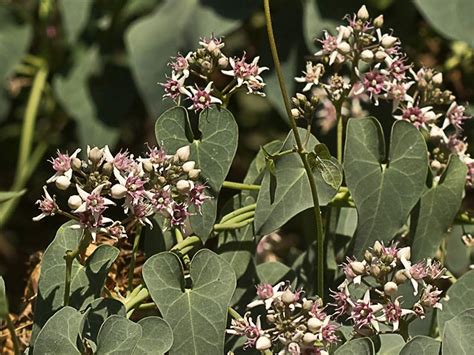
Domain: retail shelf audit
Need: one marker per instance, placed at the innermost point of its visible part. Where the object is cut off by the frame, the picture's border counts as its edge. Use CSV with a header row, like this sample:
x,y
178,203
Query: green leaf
x,y
356,347
438,207
60,333
14,40
390,344
452,19
157,337
197,315
99,310
150,42
10,195
213,152
457,338
258,164
314,23
273,272
459,298
89,280
331,172
292,194
74,15
73,92
86,281
238,246
3,299
118,336
384,194
421,345
458,254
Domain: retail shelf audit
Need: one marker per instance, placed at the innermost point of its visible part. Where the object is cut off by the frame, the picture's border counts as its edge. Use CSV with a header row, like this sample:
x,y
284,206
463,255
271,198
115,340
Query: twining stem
x,y
141,296
131,267
238,212
340,132
179,240
29,121
69,258
240,218
301,152
189,241
231,226
11,329
240,186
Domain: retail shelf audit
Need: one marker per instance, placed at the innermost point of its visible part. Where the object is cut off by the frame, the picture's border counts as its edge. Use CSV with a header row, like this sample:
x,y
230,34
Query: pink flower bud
x,y
118,191
263,343
363,14
188,166
288,297
380,56
74,202
438,79
358,267
183,153
62,182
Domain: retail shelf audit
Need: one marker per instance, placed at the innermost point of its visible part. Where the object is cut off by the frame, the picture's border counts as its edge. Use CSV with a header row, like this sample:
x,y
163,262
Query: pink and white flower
x,y
201,98
62,165
311,76
47,206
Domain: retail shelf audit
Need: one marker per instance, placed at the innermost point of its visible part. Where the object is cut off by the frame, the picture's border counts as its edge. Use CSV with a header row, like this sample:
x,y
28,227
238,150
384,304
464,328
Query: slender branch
x,y
69,258
301,152
11,329
31,112
179,240
131,267
238,212
240,186
225,226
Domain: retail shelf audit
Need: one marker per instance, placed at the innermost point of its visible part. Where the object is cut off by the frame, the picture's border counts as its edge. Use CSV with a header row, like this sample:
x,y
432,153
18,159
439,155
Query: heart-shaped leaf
x,y
421,345
86,281
459,298
384,189
197,315
118,336
213,152
437,208
457,338
74,15
74,93
99,310
157,337
356,347
451,18
189,20
390,344
60,333
292,194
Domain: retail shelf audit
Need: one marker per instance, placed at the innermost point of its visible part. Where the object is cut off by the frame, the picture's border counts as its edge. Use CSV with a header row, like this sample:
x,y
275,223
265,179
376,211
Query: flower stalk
x,y
301,152
131,268
240,186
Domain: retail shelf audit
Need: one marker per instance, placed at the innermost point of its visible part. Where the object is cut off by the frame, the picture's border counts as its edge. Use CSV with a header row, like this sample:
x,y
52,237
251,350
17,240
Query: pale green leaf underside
x,y
458,331
421,345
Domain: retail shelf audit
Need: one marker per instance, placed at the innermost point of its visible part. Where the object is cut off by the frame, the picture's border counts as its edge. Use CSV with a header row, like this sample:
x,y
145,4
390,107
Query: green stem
x,y
464,218
133,260
240,186
29,120
189,241
241,217
225,226
69,258
233,313
301,152
340,132
179,240
238,212
11,329
141,296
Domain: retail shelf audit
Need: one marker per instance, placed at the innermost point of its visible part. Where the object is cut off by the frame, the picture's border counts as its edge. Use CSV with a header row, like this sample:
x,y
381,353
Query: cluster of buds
x,y
304,108
294,324
379,70
382,272
199,66
142,187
